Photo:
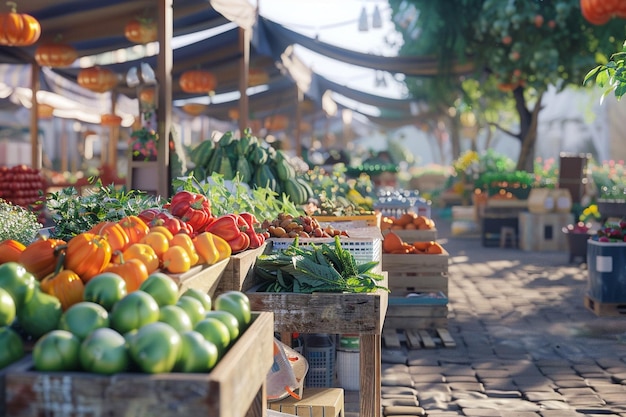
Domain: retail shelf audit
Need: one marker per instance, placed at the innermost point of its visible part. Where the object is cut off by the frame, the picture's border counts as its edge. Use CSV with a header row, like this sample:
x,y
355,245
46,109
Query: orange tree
x,y
518,48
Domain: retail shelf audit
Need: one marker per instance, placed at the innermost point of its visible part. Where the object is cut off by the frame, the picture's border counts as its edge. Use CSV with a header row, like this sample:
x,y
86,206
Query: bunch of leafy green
x,y
18,223
73,213
316,268
235,196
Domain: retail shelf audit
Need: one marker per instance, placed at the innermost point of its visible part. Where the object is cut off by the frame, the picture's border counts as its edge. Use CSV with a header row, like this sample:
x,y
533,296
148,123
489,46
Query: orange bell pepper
x,y
144,253
176,260
184,240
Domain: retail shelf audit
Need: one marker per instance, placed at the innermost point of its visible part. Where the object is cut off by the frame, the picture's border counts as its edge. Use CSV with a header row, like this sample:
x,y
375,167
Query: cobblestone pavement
x,y
526,345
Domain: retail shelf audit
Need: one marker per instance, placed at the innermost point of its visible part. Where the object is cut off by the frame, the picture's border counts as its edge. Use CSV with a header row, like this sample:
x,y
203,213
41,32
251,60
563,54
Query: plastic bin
x,y
606,267
319,351
348,363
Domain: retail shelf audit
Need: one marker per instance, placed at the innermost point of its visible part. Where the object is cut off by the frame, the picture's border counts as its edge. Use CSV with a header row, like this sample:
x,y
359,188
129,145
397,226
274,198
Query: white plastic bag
x,y
286,377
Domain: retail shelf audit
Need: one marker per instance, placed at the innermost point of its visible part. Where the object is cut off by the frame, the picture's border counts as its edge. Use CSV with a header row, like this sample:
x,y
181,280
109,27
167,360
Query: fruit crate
x,y
205,278
234,388
239,268
417,310
414,235
410,273
348,222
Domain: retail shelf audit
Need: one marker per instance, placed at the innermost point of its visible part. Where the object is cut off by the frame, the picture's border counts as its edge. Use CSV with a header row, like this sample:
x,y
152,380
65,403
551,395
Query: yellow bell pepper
x,y
211,248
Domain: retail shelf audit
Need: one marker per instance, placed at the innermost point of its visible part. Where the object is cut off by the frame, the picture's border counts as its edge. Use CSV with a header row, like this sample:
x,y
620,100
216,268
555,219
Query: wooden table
x,y
341,314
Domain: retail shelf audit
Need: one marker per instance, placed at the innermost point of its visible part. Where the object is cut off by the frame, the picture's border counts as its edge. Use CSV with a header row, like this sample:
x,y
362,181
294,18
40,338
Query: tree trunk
x,y
528,130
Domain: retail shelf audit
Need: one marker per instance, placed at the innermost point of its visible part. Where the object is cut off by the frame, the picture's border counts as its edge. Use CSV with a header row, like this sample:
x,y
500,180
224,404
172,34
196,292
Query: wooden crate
x,y
601,309
349,222
416,272
205,278
417,311
411,236
240,267
234,388
315,402
543,231
361,314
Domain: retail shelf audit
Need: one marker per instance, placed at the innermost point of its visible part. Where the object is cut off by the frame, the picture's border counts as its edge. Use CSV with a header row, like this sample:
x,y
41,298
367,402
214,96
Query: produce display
x,y
288,226
394,244
611,231
254,161
316,268
23,186
407,221
337,195
17,224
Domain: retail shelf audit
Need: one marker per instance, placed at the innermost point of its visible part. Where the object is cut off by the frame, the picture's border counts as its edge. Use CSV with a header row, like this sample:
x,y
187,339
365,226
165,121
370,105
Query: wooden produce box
x,y
240,267
205,278
349,222
234,388
417,310
416,272
315,402
416,235
543,231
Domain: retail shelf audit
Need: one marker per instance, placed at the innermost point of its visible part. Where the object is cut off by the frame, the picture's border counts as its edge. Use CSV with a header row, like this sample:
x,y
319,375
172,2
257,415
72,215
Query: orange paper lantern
x,y
197,81
97,79
18,29
194,109
110,120
276,122
141,31
55,55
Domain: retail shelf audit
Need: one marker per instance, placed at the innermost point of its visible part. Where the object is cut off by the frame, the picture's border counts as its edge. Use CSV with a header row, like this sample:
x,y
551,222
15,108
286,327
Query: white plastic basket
x,y
363,250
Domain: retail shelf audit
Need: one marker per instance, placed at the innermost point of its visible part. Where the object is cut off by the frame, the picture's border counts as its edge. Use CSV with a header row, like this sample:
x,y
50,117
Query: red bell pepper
x,y
173,224
228,226
240,243
193,208
256,239
250,219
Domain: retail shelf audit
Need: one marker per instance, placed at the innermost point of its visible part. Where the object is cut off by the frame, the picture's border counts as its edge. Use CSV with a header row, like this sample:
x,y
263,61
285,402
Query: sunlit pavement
x,y
525,343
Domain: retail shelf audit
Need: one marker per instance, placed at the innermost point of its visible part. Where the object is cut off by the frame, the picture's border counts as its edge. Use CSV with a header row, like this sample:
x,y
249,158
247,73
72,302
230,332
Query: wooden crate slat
x,y
422,263
407,322
239,269
413,339
417,311
391,339
401,283
445,337
427,340
205,278
410,236
219,393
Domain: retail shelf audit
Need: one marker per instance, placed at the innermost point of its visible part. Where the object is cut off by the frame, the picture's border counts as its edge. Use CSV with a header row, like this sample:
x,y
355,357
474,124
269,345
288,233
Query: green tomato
x,y
203,297
134,311
197,353
11,346
83,318
57,351
193,307
104,352
18,282
228,319
161,287
176,317
7,308
155,348
216,332
238,304
105,289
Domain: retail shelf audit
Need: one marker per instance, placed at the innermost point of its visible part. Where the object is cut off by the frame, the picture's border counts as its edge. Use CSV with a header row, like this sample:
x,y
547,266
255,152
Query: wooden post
x,y
164,111
35,155
244,66
299,99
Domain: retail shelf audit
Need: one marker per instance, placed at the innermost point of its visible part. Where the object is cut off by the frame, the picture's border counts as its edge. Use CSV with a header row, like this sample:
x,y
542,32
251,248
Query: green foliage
x,y
612,75
17,223
235,196
73,213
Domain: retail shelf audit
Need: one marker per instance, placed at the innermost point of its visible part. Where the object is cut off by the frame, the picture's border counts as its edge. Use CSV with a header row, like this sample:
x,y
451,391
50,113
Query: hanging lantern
x,y
18,29
233,114
141,30
257,76
110,120
55,55
276,122
197,81
44,111
97,79
194,109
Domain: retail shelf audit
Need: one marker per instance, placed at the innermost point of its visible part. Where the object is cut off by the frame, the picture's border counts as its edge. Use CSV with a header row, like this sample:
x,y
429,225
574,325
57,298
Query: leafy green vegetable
x,y
235,196
73,213
316,268
17,223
